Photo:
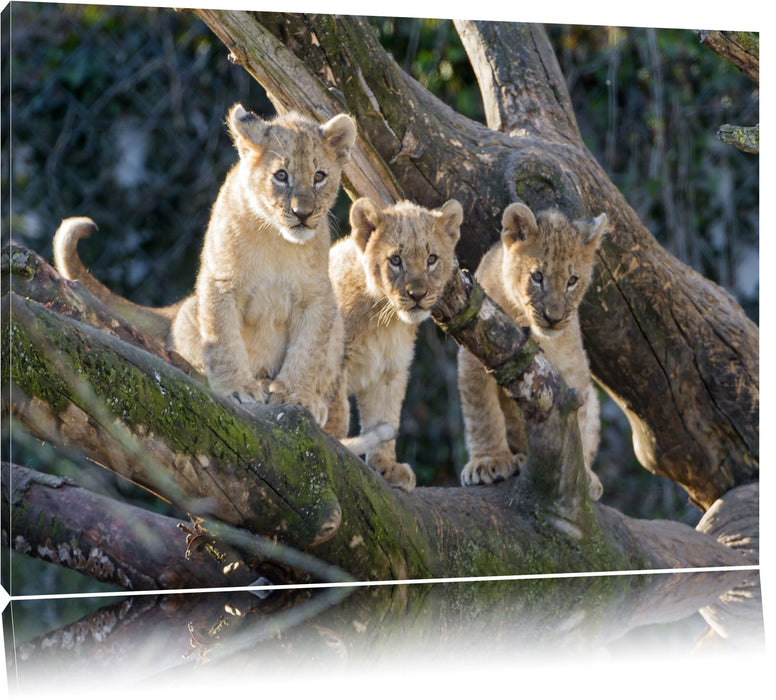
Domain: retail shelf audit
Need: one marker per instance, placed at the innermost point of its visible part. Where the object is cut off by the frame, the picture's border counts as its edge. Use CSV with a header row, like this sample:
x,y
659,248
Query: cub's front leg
x,y
313,363
223,352
490,457
381,403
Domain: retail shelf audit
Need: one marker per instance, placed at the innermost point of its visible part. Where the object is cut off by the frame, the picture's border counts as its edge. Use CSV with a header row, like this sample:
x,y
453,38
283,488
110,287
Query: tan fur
x,y
263,324
538,274
387,275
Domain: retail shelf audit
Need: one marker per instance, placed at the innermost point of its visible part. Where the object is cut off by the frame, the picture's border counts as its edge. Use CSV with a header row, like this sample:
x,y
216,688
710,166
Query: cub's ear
x,y
340,134
451,217
365,218
593,229
247,130
517,224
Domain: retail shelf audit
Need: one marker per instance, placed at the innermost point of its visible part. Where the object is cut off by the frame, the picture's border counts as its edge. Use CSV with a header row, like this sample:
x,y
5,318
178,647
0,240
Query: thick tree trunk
x,y
275,474
674,350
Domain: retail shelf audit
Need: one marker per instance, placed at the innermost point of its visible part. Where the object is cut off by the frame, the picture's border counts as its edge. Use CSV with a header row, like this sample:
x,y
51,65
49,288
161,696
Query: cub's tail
x,y
371,438
156,322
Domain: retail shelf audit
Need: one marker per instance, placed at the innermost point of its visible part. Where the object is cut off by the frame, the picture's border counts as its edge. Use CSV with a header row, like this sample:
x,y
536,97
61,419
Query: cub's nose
x,y
302,214
553,317
302,208
416,293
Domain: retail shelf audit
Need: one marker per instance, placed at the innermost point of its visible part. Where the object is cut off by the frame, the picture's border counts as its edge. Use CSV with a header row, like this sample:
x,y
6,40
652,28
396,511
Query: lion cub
x,y
262,323
387,275
538,274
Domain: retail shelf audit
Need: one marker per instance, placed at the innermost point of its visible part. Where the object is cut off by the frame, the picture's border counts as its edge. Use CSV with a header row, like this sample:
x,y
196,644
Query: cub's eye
x,y
572,281
431,259
537,277
395,260
319,177
281,176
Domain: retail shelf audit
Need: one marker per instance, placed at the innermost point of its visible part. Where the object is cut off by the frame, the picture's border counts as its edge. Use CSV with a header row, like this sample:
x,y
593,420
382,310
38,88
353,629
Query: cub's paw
x,y
397,474
318,408
315,404
275,391
488,470
249,396
594,486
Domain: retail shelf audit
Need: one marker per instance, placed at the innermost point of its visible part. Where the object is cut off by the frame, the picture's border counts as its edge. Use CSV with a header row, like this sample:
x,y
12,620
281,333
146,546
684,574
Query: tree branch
x,y
275,474
742,49
744,138
50,518
512,64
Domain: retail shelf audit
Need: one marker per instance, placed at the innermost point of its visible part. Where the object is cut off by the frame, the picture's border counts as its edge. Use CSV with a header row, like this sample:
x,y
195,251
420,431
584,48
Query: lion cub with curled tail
x,y
387,275
538,273
262,323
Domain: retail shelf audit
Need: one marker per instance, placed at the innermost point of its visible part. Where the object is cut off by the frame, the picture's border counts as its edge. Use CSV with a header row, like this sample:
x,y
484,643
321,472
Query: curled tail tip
x,y
66,239
78,226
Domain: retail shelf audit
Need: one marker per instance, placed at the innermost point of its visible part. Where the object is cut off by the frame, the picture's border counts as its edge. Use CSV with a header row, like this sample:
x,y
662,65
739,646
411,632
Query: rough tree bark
x,y
653,329
55,520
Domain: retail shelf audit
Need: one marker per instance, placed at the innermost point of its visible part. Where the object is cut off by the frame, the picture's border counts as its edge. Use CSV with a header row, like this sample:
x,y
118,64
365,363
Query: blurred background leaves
x,y
117,113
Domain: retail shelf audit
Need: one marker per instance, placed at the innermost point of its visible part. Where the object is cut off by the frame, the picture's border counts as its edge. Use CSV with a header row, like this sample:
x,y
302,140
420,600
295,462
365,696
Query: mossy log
x,y
275,474
674,350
